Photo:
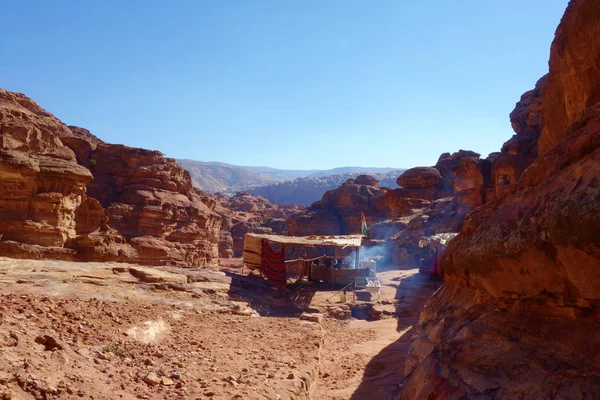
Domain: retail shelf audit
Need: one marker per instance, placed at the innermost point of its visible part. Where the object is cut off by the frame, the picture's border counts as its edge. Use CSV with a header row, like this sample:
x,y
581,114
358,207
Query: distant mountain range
x,y
218,177
309,189
215,177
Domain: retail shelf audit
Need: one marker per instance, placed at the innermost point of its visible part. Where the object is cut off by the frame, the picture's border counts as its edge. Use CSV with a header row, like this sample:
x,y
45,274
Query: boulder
x,y
419,178
366,180
339,212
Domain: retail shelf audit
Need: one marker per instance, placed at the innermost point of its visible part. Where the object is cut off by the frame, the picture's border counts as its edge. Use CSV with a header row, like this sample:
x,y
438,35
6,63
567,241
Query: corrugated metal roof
x,y
337,241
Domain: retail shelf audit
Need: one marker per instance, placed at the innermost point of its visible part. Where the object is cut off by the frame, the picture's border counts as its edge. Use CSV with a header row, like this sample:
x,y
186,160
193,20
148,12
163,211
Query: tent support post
x,y
356,270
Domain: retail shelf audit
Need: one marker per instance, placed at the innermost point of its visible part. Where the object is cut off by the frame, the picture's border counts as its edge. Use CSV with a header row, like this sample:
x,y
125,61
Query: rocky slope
x,y
67,195
518,316
215,177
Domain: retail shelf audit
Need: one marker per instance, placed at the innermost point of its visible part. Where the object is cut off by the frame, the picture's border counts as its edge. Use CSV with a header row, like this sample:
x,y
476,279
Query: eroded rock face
x,y
41,183
138,206
339,210
149,200
518,316
432,200
573,84
527,122
523,284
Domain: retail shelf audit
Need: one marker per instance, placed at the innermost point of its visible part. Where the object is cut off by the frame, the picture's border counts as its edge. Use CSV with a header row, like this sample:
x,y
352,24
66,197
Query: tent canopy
x,y
253,252
336,241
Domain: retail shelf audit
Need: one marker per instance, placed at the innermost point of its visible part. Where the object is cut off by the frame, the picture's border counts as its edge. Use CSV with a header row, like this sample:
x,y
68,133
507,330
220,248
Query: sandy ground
x,y
110,331
365,359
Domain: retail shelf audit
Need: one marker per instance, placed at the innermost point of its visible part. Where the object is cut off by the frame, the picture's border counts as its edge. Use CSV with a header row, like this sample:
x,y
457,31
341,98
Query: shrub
x,y
116,350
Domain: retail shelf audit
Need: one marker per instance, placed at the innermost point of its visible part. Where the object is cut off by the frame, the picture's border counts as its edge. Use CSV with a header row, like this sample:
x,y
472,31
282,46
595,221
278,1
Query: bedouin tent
x,y
260,254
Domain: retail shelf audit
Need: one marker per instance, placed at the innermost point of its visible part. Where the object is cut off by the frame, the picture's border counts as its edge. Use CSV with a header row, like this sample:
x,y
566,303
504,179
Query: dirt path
x,y
365,359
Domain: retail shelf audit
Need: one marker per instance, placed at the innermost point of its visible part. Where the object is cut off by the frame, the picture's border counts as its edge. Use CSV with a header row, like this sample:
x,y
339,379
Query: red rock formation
x,y
138,207
419,178
399,218
526,121
518,316
42,184
339,210
149,199
572,85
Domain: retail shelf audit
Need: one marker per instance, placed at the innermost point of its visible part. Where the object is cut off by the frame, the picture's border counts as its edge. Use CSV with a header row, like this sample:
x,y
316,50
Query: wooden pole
x,y
356,270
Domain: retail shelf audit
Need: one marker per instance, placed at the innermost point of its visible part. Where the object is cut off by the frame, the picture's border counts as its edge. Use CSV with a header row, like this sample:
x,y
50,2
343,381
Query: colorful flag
x,y
363,224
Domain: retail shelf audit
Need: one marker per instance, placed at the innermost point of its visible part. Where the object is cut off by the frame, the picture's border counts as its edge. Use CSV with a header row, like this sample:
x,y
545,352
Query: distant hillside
x,y
283,174
308,190
349,170
289,174
218,177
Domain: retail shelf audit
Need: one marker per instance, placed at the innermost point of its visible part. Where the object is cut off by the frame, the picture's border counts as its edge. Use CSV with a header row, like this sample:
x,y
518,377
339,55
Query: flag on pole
x,y
363,224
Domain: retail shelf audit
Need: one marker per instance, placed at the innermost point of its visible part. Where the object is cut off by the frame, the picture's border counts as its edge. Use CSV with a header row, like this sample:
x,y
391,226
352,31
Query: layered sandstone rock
x,y
137,206
149,200
42,184
518,316
523,284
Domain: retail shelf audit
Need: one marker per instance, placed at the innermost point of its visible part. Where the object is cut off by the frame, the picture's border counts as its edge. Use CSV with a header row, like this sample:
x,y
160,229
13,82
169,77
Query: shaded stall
x,y
330,259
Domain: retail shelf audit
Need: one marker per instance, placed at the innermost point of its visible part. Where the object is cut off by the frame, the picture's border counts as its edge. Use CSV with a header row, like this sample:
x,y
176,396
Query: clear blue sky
x,y
289,84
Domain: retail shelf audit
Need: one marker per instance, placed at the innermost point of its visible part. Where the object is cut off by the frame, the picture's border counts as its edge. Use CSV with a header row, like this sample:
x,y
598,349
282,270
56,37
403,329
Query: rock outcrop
x,y
527,122
338,212
419,178
431,200
68,195
42,184
573,84
518,316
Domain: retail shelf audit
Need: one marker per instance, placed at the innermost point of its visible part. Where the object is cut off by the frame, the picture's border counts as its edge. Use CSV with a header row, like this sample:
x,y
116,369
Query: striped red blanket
x,y
273,266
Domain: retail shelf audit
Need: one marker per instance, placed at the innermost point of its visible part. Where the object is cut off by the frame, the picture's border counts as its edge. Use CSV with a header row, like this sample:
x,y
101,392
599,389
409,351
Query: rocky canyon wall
x,y
519,314
431,200
68,195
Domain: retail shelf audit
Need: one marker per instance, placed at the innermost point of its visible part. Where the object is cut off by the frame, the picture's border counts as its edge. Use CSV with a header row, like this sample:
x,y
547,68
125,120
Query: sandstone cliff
x,y
518,316
67,195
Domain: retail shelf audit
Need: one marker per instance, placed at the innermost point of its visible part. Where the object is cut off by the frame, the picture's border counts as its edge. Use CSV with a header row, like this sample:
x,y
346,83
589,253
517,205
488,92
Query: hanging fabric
x,y
273,265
